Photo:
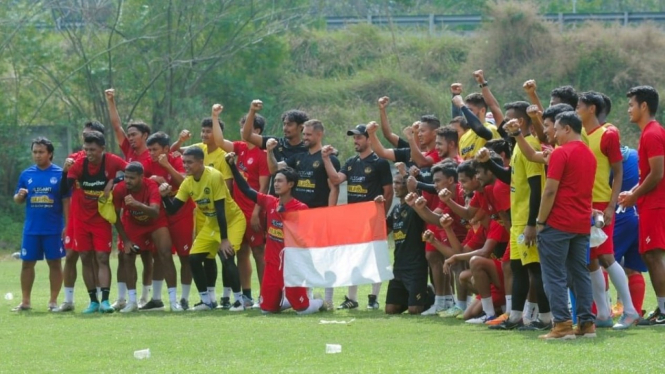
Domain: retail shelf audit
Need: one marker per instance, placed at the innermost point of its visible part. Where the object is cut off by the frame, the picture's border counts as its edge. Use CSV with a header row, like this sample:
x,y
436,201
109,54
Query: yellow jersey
x,y
470,142
520,192
604,143
216,160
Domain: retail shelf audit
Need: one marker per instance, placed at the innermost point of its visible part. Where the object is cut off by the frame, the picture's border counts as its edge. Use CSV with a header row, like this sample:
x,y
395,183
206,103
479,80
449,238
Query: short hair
x,y
607,107
95,126
461,120
160,137
645,94
297,116
554,110
134,167
566,94
40,140
449,134
467,168
431,121
259,122
476,99
207,122
139,125
290,174
95,137
592,98
447,167
315,124
570,119
519,107
499,146
493,157
195,152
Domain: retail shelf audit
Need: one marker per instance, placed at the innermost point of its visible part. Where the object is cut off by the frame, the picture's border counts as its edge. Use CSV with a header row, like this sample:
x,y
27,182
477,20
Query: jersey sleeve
x,y
217,187
76,170
125,147
401,143
611,146
224,168
119,193
178,165
184,190
402,154
501,193
476,201
384,172
154,198
114,165
654,144
239,147
557,164
263,164
335,162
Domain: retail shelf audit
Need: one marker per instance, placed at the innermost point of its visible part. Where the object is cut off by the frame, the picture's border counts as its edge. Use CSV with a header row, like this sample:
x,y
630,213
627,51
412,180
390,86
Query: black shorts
x,y
408,289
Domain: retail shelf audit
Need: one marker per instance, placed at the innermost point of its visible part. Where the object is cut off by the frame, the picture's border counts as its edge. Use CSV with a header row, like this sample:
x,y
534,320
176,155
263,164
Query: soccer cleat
x,y
626,321
480,320
371,302
617,309
560,331
498,320
224,303
604,323
152,306
248,302
64,307
433,310
348,304
536,325
175,307
184,303
256,305
92,308
586,329
201,306
507,325
105,307
52,307
238,306
119,304
452,312
130,307
648,320
21,308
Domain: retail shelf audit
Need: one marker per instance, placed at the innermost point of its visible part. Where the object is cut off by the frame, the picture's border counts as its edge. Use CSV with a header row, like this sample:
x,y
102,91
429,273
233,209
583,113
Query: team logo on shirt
x,y
281,149
54,180
403,213
250,161
316,164
206,190
348,168
368,170
30,181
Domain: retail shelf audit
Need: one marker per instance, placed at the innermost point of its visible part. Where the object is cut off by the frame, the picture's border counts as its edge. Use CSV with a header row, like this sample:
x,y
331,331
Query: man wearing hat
x,y
368,176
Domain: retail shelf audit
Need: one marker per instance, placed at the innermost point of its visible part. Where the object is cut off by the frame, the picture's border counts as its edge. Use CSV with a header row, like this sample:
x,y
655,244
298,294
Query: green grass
x,y
220,341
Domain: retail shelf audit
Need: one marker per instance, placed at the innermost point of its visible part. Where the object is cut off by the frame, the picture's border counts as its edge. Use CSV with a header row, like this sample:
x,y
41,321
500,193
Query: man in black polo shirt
x,y
368,176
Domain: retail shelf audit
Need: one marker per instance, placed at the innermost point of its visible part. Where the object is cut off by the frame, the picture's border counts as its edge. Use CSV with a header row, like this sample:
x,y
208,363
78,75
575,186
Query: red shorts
x,y
439,233
69,235
652,232
92,237
182,234
254,238
141,235
272,291
506,254
607,248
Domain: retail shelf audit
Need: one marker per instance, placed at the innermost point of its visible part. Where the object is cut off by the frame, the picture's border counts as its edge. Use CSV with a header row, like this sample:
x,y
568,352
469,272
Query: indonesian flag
x,y
336,246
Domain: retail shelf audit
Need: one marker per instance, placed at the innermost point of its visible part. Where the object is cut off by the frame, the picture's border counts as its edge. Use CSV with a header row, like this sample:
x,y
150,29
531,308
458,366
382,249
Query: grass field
x,y
220,341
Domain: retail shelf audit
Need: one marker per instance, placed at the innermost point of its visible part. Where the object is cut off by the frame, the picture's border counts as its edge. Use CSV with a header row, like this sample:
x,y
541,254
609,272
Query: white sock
x,y
440,301
449,301
211,293
376,288
598,288
461,304
132,296
285,304
205,297
661,304
69,294
145,293
173,294
509,303
238,296
620,282
314,305
122,290
329,295
531,311
227,292
515,316
185,291
545,317
353,293
157,289
99,292
310,293
488,306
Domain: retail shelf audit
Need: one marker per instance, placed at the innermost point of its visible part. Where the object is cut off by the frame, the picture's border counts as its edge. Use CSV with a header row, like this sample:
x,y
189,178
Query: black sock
x,y
537,276
105,293
231,273
93,295
520,284
198,274
210,268
247,293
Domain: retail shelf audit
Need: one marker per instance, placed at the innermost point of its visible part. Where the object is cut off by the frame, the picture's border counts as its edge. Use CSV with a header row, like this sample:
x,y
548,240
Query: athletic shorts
x,y
182,235
141,235
652,234
506,254
36,247
254,238
408,289
69,235
522,252
626,241
273,291
92,237
208,240
607,248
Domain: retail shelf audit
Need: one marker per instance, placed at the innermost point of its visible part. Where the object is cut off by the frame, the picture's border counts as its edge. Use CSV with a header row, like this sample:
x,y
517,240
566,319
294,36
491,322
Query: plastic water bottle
x,y
333,348
9,296
143,353
520,239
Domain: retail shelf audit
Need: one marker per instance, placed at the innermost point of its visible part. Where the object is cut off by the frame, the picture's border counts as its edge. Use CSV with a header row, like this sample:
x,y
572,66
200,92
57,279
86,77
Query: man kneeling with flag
x,y
272,287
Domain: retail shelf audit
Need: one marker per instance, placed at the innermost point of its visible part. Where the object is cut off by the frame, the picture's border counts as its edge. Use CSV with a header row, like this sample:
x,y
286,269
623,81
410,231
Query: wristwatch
x,y
540,223
484,84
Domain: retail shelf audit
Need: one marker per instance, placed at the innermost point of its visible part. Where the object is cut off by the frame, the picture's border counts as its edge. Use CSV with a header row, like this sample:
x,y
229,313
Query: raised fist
x,y
256,106
512,126
479,76
534,112
414,171
327,150
401,168
412,184
163,160
428,236
383,102
421,203
483,155
380,199
530,86
410,199
165,189
130,201
231,158
68,163
185,135
456,89
110,94
271,144
445,195
408,132
372,127
458,101
446,220
217,109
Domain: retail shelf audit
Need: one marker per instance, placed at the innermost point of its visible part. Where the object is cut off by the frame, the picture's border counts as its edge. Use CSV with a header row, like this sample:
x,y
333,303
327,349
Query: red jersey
x,y
148,195
494,199
90,185
154,168
475,238
652,144
432,199
275,231
130,154
252,164
574,166
459,225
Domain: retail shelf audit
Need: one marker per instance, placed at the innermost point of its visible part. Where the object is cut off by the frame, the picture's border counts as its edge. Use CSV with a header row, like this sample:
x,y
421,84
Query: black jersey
x,y
407,228
283,151
312,188
366,177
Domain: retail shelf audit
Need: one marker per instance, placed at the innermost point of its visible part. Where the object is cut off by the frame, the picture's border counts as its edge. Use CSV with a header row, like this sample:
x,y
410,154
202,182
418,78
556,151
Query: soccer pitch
x,y
227,342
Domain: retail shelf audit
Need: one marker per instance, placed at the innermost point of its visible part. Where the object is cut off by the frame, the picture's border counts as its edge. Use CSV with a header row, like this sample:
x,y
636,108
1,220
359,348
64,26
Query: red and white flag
x,y
338,246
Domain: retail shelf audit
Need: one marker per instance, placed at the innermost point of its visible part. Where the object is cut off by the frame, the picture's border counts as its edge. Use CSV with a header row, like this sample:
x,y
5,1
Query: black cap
x,y
358,130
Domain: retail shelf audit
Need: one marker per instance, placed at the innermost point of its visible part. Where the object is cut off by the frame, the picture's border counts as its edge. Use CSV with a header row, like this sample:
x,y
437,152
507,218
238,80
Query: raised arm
x,y
385,125
176,177
530,89
334,176
420,206
467,213
473,121
490,100
377,147
273,165
217,132
416,156
513,129
242,184
455,90
184,136
247,134
120,134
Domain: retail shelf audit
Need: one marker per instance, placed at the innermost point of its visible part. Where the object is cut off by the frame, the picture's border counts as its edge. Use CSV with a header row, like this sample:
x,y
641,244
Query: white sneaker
x,y
119,304
129,308
256,306
201,307
175,307
247,301
480,320
142,302
64,307
433,310
238,306
52,307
